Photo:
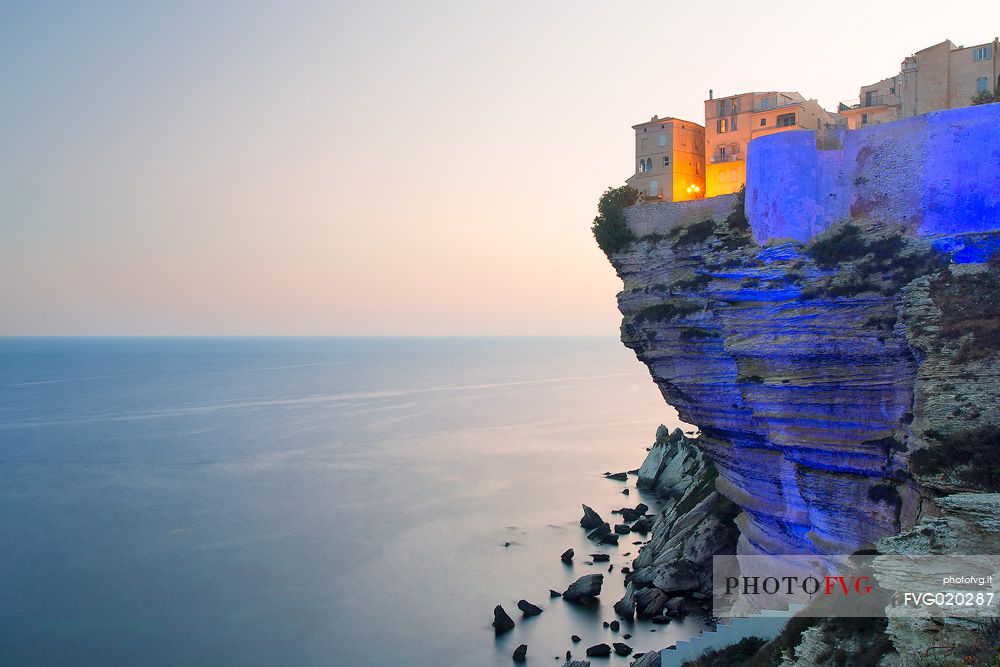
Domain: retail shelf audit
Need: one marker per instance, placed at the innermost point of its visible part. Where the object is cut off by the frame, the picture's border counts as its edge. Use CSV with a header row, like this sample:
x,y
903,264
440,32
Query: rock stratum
x,y
845,379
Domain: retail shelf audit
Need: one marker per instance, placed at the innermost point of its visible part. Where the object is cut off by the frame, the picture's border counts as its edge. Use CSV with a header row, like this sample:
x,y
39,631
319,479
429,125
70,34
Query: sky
x,y
370,168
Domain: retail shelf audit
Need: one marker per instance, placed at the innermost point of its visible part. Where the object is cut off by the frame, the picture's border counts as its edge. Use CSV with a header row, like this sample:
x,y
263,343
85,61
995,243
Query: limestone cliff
x,y
846,378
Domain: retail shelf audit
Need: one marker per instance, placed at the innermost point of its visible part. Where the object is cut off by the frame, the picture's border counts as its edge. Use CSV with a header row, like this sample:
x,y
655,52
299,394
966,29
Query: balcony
x,y
719,158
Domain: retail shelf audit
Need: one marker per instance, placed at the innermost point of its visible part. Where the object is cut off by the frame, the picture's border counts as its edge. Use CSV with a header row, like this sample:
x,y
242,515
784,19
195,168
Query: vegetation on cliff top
x,y
972,455
970,309
610,229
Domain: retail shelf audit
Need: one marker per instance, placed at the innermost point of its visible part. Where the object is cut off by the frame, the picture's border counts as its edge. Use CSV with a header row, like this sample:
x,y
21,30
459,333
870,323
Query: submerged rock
x,y
600,557
528,609
615,626
501,621
618,476
586,587
554,594
567,556
520,653
622,529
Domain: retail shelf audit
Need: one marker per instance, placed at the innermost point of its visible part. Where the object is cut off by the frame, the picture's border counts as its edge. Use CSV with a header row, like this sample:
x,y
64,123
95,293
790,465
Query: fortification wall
x,y
937,174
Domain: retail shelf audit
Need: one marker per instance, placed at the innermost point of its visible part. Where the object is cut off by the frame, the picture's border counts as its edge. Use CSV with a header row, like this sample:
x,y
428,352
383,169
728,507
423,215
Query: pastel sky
x,y
370,167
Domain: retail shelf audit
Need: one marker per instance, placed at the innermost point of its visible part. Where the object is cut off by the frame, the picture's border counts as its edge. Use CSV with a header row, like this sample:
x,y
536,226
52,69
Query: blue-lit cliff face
x,y
816,365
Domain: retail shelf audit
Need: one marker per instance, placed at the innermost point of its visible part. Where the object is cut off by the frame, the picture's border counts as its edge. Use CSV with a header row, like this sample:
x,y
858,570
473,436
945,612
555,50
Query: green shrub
x,y
970,304
843,244
737,220
610,229
664,312
729,656
974,455
698,232
986,97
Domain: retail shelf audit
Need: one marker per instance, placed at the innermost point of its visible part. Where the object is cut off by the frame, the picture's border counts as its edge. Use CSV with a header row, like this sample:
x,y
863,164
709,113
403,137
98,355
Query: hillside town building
x,y
670,160
678,160
943,76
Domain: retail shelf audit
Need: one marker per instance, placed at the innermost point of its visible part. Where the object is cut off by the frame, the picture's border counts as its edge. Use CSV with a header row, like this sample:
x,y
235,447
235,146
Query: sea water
x,y
314,501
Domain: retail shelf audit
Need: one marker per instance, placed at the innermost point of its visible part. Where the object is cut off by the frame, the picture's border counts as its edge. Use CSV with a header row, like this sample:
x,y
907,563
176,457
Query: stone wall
x,y
646,219
935,174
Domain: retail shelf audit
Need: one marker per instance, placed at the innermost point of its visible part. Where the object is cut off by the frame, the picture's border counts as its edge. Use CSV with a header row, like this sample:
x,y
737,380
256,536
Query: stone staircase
x,y
766,624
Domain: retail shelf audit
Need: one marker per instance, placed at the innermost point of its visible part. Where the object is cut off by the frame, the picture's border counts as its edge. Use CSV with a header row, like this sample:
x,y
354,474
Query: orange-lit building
x,y
732,122
669,160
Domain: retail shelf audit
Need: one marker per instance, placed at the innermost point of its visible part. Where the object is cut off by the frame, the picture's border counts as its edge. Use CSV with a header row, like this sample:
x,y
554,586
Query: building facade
x,y
732,122
943,76
669,160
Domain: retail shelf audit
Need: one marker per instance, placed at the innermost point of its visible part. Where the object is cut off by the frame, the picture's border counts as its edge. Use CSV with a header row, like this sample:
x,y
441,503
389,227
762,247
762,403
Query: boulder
x,y
554,594
649,602
599,651
567,556
581,663
622,529
528,609
521,653
642,525
591,519
622,649
626,606
608,538
575,638
615,626
603,529
678,577
598,558
584,588
619,476
501,621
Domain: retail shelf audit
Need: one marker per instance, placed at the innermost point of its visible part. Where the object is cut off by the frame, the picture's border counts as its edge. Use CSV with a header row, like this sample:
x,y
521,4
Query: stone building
x,y
732,122
943,76
669,160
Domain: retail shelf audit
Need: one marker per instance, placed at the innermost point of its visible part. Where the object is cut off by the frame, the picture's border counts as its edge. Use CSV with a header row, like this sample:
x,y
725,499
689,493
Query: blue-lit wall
x,y
936,174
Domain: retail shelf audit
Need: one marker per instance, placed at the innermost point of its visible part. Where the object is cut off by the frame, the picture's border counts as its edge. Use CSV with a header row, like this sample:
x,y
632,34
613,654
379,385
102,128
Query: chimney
x,y
710,93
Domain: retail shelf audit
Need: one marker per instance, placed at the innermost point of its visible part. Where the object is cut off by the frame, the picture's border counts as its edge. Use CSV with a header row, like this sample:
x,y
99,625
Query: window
x,y
643,144
663,139
654,188
666,160
763,122
765,102
722,125
642,166
982,53
785,120
864,119
732,124
981,84
649,164
892,91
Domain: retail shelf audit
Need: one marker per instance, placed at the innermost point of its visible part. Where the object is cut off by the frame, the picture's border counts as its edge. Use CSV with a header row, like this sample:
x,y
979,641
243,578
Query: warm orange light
x,y
693,188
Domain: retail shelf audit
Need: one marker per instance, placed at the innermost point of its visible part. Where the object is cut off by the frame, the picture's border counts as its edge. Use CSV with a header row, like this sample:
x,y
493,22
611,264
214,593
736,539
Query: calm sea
x,y
309,501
